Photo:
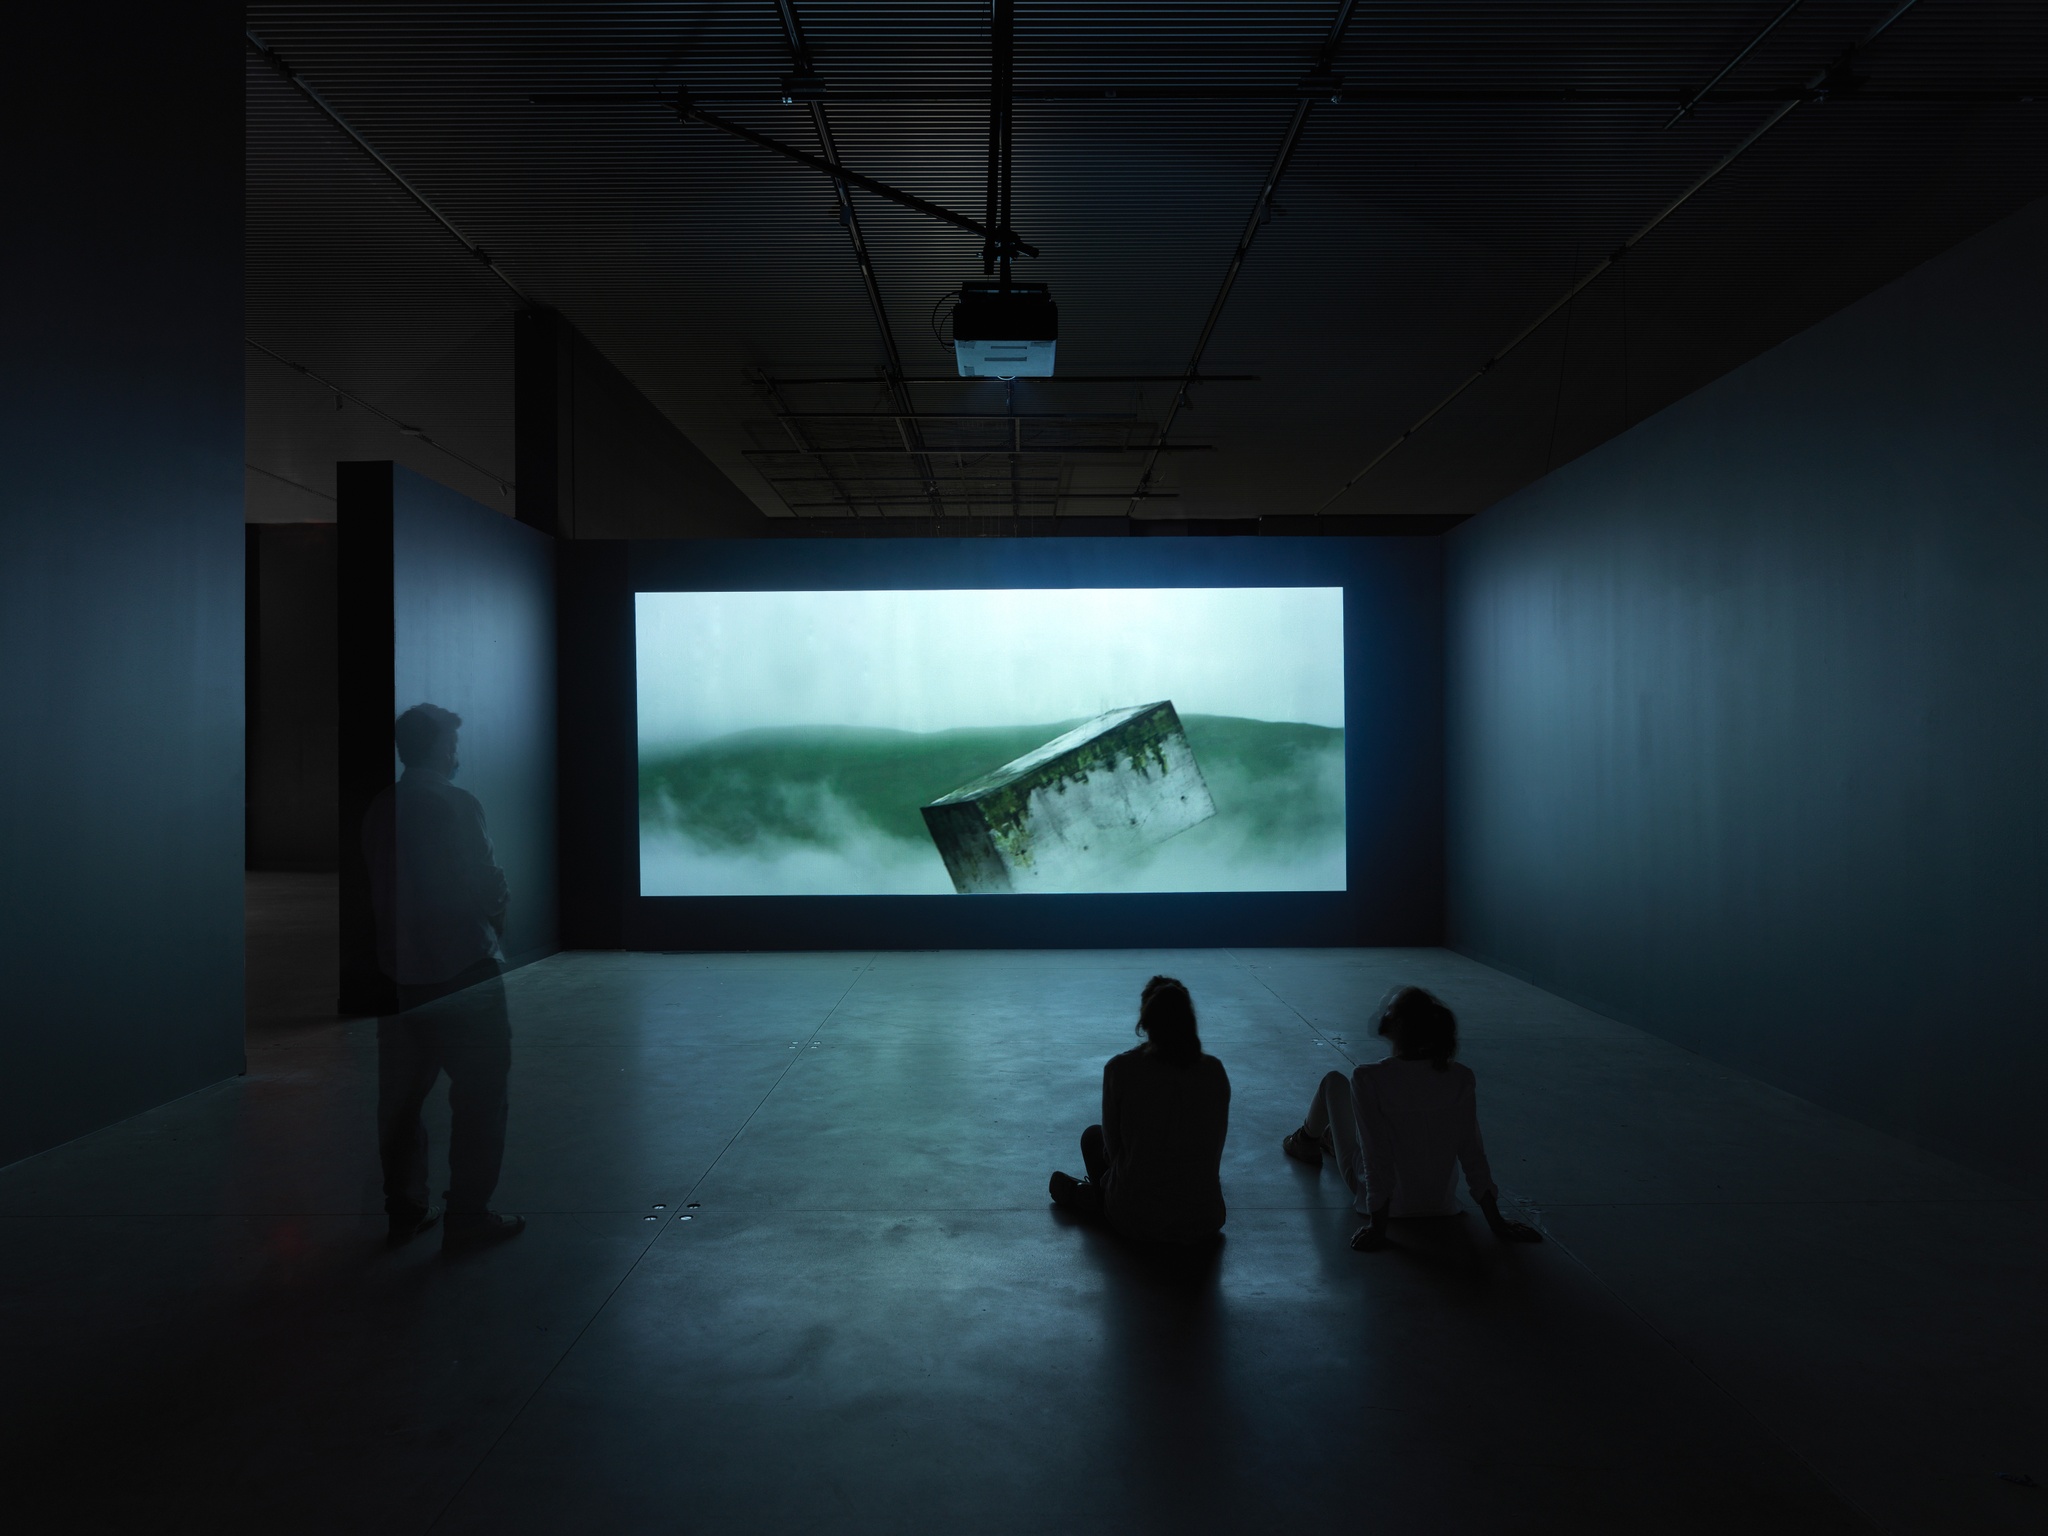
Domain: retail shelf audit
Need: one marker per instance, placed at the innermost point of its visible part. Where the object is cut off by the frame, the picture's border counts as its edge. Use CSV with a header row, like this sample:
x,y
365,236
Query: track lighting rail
x,y
1993,93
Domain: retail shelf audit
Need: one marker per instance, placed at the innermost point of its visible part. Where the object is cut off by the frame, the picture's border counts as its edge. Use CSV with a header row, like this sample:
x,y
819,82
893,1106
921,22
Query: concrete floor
x,y
791,1268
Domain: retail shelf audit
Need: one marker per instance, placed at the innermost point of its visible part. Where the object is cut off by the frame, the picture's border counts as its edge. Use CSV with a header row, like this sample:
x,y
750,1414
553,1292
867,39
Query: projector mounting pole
x,y
1001,245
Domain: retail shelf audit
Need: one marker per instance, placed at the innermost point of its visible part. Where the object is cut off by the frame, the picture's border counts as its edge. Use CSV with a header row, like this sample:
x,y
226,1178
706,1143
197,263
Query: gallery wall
x,y
473,608
462,600
1393,693
1748,713
120,568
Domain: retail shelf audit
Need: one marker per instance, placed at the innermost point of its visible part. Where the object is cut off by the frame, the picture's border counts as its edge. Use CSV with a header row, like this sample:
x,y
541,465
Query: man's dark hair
x,y
1166,1018
1420,1026
424,732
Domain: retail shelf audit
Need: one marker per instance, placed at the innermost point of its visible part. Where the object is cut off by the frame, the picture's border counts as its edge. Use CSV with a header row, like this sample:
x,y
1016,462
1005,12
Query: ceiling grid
x,y
1481,158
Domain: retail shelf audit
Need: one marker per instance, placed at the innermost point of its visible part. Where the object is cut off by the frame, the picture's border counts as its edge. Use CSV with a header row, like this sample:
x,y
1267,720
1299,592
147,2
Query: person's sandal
x,y
1302,1147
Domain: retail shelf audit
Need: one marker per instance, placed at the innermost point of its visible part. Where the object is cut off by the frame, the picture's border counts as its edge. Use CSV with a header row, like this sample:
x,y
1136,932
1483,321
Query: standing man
x,y
440,900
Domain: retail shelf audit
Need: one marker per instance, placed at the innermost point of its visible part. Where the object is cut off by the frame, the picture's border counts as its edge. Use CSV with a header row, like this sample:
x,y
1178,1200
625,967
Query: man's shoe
x,y
478,1230
409,1223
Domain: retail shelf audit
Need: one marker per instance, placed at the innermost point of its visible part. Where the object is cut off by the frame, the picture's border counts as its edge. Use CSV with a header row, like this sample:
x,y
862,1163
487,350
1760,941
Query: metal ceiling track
x,y
297,82
1074,450
1319,75
2004,92
1000,244
1063,378
831,165
1097,418
1840,70
1052,499
999,241
1318,90
340,393
849,216
792,426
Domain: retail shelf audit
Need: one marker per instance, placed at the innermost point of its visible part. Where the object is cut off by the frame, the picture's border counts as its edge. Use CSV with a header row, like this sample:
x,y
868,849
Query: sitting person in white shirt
x,y
1400,1127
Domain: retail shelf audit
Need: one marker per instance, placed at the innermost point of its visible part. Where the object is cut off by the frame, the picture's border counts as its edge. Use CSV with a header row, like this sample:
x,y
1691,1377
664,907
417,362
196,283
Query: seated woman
x,y
1398,1127
1153,1161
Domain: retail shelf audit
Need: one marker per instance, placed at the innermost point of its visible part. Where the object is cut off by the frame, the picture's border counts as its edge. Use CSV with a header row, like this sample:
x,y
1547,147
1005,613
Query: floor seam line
x,y
1321,1036
646,1248
741,1130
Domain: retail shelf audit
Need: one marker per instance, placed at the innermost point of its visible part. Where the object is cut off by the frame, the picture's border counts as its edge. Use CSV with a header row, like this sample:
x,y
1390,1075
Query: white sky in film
x,y
713,662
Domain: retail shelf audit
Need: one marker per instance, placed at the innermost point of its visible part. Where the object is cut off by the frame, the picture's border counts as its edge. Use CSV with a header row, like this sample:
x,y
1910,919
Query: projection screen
x,y
1013,741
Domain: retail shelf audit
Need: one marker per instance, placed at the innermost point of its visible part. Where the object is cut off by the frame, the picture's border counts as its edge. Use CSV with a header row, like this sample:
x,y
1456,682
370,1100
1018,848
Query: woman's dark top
x,y
1163,1124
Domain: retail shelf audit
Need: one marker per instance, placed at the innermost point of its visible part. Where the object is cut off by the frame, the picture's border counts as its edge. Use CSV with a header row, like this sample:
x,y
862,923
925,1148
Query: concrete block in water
x,y
1060,816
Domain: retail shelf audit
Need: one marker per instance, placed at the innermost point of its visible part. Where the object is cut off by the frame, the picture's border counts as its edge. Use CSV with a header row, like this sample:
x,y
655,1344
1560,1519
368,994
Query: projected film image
x,y
1013,741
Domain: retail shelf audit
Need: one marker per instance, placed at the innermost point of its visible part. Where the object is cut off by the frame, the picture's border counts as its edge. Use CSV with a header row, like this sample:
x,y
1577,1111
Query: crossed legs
x,y
1084,1197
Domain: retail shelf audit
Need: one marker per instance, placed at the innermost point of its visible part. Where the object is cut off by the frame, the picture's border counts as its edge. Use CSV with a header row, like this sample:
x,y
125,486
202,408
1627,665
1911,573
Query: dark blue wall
x,y
1393,700
473,630
1748,713
120,566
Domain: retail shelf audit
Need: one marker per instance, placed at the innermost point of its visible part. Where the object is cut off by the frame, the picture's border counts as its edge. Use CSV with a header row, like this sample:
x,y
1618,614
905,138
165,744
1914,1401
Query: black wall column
x,y
544,439
596,756
596,459
291,715
367,705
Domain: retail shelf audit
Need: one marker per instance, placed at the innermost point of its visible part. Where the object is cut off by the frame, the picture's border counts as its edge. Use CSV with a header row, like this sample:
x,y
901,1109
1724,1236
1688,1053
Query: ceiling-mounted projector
x,y
1005,331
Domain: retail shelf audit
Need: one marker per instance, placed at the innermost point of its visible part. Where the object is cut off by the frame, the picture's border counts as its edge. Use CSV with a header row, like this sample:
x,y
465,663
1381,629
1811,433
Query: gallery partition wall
x,y
1002,743
446,602
120,568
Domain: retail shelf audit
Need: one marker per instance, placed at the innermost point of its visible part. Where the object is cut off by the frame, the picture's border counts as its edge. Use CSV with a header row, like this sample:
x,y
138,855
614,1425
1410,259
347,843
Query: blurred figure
x,y
440,900
1153,1163
1400,1127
